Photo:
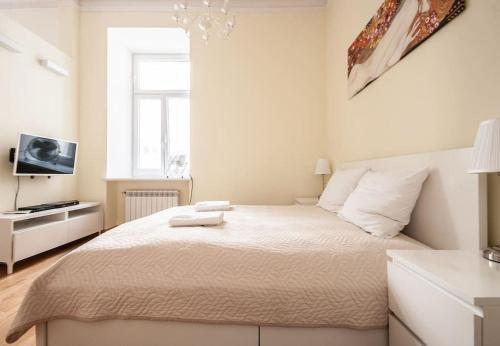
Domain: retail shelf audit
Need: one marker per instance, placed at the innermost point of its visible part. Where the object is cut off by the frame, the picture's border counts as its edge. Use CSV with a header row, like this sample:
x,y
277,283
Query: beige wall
x,y
258,107
37,101
57,24
432,100
258,100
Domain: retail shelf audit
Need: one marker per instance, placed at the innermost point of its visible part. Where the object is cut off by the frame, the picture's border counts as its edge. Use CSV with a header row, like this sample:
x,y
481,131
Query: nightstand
x,y
306,200
443,298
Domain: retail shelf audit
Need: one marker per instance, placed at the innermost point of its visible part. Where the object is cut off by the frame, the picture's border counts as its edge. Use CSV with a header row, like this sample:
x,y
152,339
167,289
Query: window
x,y
161,115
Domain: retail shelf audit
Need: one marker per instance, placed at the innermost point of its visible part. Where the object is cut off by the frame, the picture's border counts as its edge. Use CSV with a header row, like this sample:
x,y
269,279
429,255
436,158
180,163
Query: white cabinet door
x,y
436,317
84,225
32,241
150,333
277,336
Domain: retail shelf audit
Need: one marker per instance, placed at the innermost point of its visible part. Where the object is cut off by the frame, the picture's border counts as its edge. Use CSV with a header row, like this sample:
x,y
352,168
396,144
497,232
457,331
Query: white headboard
x,y
451,212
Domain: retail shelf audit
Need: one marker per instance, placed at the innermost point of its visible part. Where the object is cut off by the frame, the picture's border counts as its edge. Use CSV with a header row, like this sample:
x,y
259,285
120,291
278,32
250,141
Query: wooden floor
x,y
13,287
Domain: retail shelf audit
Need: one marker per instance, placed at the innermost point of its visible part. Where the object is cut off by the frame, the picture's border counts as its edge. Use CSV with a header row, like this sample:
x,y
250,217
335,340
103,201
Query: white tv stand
x,y
26,235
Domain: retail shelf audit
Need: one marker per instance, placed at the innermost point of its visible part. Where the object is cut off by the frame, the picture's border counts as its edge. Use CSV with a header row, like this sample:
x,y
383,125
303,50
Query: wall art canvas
x,y
397,28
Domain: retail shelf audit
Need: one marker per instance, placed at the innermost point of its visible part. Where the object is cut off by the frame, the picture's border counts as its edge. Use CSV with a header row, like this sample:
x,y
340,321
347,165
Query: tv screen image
x,y
37,155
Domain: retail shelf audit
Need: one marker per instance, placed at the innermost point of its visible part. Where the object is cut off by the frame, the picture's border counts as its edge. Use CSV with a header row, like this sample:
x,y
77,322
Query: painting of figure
x,y
397,28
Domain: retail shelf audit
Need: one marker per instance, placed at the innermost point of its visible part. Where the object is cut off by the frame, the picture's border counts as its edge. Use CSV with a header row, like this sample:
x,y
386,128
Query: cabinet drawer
x,y
283,336
33,241
399,335
84,225
436,317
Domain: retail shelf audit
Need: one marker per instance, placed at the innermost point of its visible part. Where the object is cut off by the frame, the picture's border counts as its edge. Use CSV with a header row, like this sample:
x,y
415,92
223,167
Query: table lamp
x,y
486,159
323,168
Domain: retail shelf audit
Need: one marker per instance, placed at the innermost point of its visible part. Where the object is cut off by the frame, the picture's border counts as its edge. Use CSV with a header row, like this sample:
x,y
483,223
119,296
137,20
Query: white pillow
x,y
340,186
382,202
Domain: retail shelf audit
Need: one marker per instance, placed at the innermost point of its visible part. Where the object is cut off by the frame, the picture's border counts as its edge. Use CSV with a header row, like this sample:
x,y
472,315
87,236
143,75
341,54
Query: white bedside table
x,y
306,200
443,298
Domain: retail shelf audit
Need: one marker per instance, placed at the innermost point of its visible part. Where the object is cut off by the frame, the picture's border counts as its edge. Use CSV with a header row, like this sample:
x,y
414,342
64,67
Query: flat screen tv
x,y
36,155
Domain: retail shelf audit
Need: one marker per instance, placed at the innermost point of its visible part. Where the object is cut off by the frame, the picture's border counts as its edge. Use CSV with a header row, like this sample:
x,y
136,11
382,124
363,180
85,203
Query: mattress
x,y
291,266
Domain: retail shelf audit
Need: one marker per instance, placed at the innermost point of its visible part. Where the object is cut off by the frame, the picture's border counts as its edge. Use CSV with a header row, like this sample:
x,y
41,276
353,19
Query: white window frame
x,y
163,96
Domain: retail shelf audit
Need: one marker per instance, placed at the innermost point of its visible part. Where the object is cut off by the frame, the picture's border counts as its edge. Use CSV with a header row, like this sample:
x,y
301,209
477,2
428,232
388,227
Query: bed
x,y
271,275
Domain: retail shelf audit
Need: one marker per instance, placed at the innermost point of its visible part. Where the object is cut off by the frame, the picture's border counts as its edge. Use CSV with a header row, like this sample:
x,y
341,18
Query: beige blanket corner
x,y
272,266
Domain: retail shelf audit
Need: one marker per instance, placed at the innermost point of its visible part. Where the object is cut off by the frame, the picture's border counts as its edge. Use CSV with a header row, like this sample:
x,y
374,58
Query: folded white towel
x,y
197,219
212,206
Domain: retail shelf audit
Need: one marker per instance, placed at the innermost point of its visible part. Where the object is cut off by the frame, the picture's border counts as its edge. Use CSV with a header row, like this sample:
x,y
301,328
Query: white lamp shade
x,y
486,155
322,167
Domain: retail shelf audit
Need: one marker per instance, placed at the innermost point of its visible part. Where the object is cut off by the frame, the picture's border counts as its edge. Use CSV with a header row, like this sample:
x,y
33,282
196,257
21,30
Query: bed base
x,y
158,333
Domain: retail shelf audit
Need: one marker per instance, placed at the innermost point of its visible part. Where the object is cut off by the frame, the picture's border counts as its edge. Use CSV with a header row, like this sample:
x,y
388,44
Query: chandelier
x,y
213,19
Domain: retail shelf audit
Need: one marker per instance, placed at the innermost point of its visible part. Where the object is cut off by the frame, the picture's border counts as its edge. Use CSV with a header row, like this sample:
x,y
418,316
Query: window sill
x,y
148,179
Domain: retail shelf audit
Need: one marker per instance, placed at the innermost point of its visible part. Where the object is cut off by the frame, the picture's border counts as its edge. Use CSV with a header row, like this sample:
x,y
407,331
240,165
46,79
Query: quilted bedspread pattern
x,y
266,265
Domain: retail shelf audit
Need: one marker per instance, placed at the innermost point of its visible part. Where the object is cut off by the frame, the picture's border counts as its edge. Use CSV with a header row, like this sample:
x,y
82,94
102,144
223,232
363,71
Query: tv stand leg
x,y
10,268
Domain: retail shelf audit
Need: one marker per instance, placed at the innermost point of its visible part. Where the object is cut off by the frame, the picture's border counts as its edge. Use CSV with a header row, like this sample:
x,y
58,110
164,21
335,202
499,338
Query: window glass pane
x,y
179,137
150,130
163,75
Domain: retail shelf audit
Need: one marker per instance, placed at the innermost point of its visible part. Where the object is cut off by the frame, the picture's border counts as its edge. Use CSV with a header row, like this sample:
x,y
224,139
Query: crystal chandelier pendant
x,y
214,19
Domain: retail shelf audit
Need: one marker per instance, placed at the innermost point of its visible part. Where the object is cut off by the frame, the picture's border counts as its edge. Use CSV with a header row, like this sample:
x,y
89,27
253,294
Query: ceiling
x,y
234,3
154,4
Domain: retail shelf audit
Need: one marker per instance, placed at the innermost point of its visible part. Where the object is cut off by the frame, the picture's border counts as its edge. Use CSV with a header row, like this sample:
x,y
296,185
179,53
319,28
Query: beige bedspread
x,y
266,265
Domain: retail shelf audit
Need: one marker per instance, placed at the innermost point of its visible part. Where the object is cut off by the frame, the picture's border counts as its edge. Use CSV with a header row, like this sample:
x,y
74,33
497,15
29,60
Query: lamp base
x,y
492,254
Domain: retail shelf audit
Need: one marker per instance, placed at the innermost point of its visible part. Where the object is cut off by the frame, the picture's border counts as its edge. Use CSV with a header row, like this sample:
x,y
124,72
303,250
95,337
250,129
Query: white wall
x,y
119,124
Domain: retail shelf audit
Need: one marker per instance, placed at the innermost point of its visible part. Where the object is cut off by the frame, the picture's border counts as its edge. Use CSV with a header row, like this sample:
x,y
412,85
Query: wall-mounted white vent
x,y
141,203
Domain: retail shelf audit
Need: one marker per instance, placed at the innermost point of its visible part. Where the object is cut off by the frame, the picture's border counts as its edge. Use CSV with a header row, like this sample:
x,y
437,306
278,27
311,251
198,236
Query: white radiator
x,y
141,203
